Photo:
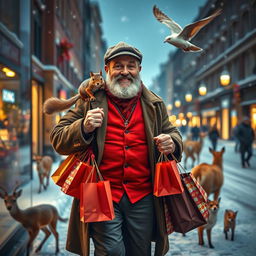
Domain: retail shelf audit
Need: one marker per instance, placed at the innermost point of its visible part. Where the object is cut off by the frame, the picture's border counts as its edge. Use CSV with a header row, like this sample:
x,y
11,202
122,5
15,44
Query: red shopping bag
x,y
72,166
167,178
63,168
68,165
78,175
96,199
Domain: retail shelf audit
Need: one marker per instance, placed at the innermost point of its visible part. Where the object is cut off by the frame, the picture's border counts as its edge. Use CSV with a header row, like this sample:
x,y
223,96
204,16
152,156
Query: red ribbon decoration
x,y
65,46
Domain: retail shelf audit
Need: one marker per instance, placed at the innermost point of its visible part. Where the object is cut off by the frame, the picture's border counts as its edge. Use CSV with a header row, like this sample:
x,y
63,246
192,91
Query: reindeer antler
x,y
17,185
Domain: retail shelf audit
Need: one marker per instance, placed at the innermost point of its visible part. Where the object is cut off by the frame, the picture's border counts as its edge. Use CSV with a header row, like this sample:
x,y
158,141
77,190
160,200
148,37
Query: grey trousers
x,y
129,233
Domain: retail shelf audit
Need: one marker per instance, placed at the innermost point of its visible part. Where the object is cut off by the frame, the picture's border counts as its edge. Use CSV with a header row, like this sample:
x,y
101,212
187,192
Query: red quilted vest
x,y
125,157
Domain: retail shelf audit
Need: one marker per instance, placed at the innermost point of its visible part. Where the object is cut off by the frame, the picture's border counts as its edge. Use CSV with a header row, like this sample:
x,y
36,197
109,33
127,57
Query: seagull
x,y
180,37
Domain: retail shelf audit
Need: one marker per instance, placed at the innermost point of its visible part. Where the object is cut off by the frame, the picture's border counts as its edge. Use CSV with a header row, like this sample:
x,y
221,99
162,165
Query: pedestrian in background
x,y
204,130
213,135
245,135
234,135
183,130
121,126
195,132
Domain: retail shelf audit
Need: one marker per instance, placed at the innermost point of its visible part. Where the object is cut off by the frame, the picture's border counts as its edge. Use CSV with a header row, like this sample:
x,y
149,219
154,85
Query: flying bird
x,y
180,37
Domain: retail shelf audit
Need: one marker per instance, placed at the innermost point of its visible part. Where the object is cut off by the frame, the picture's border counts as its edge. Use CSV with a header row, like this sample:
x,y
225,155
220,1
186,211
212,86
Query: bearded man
x,y
127,126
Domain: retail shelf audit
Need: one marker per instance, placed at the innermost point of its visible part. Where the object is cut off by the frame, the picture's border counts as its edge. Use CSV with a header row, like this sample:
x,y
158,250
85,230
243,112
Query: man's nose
x,y
125,71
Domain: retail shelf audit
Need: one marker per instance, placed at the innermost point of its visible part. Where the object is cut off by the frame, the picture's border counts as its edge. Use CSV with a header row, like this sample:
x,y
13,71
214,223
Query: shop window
x,y
253,117
37,32
225,123
9,15
37,122
14,130
253,16
242,66
234,120
245,24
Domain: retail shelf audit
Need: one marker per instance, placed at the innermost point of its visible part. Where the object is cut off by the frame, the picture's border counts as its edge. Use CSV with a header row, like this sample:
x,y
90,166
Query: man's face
x,y
123,78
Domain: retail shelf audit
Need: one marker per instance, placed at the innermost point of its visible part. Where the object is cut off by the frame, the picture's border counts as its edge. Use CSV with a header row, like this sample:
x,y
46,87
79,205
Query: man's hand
x,y
93,119
164,143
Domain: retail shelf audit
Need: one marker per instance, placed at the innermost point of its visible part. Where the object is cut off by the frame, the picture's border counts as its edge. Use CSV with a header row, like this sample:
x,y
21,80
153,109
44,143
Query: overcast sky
x,y
133,21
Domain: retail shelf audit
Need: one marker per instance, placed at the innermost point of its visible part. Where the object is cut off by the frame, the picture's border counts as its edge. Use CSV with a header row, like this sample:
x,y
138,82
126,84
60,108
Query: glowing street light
x,y
224,78
202,89
181,115
8,72
188,97
189,114
177,103
169,107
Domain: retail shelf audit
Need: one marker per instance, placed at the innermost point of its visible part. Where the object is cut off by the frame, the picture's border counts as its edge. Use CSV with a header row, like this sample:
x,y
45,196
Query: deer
x,y
210,176
41,217
43,167
192,148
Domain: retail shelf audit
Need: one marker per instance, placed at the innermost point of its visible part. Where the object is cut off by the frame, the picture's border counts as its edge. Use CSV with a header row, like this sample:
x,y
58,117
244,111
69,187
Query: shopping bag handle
x,y
97,168
164,157
160,158
178,164
94,166
85,155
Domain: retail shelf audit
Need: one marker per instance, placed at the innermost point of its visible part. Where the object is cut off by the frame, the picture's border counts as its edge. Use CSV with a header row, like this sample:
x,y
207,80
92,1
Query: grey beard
x,y
123,92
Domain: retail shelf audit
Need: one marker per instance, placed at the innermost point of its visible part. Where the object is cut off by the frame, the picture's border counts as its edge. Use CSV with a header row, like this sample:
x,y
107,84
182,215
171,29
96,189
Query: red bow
x,y
65,46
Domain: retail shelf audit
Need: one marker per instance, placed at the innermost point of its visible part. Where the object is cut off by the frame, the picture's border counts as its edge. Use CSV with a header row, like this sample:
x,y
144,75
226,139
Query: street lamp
x,y
169,107
8,72
189,114
188,97
224,78
177,103
202,89
181,115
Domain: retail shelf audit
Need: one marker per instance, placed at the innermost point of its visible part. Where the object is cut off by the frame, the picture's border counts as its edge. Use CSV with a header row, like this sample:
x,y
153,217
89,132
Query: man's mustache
x,y
128,76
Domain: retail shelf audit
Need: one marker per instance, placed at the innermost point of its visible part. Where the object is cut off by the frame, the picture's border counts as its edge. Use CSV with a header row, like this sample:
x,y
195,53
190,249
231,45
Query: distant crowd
x,y
242,134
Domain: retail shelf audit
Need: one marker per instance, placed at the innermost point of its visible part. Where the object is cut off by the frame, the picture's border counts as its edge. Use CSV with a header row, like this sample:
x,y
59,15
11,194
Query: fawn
x,y
192,148
85,92
43,216
213,207
43,166
230,223
210,176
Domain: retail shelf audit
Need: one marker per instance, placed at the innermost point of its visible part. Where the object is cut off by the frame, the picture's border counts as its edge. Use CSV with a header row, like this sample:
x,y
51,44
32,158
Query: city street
x,y
113,74
237,194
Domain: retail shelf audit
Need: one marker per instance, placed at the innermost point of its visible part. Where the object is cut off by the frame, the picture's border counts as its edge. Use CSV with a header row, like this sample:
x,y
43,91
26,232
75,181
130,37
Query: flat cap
x,y
122,48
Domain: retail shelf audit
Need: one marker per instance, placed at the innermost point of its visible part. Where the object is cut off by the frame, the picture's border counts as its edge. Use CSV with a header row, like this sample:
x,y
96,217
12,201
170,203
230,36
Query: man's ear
x,y
140,67
106,68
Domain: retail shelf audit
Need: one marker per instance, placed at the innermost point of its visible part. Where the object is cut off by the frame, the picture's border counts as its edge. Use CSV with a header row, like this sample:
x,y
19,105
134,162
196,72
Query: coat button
x,y
126,147
126,165
125,182
126,131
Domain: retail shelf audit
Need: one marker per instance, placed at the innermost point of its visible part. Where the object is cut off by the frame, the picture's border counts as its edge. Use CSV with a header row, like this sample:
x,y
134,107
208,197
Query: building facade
x,y
229,48
15,94
45,51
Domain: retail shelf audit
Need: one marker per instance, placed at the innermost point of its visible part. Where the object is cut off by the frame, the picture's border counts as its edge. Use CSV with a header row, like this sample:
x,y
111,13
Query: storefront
x,y
15,154
248,102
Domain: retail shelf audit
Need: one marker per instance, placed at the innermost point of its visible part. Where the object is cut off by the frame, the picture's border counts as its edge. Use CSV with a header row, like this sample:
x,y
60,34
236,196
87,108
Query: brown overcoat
x,y
67,138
